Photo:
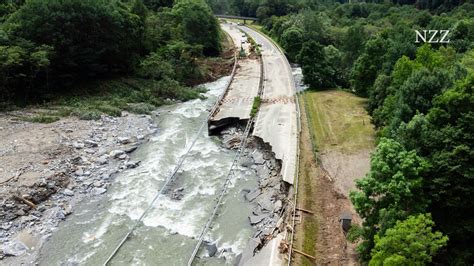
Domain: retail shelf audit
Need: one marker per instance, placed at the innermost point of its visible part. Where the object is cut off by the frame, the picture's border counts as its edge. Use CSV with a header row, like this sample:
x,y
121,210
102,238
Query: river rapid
x,y
168,233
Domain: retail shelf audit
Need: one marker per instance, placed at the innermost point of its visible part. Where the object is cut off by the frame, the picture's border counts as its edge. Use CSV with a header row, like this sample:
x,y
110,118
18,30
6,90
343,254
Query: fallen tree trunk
x,y
304,254
27,202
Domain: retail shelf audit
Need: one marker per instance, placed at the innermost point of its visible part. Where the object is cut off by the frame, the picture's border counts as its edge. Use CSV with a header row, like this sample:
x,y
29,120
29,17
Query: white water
x,y
167,235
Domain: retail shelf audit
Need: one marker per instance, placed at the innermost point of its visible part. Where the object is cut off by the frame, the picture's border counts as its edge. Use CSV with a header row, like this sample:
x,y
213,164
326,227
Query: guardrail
x,y
215,108
177,167
298,111
230,173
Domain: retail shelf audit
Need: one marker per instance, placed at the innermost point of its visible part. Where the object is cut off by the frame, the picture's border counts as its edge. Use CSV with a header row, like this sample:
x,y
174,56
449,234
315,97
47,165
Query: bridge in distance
x,y
236,17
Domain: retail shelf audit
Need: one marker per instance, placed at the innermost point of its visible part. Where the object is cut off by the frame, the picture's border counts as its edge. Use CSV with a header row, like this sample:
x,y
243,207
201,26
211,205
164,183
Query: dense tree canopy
x,y
444,137
391,191
89,37
409,242
157,4
47,46
368,65
316,69
266,8
198,25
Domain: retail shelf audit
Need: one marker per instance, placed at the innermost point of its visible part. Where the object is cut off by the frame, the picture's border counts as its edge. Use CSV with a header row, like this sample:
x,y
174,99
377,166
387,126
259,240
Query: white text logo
x,y
432,36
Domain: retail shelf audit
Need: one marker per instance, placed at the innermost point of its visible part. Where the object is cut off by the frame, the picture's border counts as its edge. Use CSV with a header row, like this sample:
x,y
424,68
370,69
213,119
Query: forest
x,y
416,201
97,56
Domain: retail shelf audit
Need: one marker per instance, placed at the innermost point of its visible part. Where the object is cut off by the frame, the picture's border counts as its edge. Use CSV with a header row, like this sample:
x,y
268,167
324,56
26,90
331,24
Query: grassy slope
x,y
331,120
339,121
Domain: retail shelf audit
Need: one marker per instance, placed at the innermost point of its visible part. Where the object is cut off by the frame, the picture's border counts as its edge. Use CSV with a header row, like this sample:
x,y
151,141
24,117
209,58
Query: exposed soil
x,y
216,67
325,182
47,168
344,168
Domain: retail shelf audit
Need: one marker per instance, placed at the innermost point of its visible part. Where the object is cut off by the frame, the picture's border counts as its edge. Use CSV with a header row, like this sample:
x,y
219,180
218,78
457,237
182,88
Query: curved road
x,y
277,118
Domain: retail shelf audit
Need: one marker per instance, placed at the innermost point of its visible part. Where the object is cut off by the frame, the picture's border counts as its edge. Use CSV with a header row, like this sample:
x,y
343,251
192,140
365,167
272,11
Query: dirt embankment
x,y
46,168
335,148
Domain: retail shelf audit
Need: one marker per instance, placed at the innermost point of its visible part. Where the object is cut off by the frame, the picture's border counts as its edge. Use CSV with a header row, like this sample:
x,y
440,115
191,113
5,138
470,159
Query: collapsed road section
x,y
277,121
275,125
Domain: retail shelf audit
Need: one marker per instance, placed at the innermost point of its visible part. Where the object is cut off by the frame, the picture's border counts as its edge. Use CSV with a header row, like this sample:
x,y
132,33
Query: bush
x,y
140,108
87,114
257,101
109,110
177,60
46,119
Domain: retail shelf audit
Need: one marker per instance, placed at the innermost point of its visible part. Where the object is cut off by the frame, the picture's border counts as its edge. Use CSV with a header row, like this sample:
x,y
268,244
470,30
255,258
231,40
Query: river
x,y
168,233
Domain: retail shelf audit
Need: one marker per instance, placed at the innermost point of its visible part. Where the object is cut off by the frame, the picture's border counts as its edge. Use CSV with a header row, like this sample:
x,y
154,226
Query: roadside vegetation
x,y
338,121
338,130
420,98
85,58
307,188
254,46
257,101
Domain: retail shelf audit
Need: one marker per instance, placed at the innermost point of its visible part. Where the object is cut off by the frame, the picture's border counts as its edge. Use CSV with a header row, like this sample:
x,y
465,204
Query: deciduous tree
x,y
198,25
391,191
316,69
409,242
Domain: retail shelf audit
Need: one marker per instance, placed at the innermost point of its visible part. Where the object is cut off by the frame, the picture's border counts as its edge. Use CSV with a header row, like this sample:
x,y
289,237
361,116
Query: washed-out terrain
x,y
47,168
97,177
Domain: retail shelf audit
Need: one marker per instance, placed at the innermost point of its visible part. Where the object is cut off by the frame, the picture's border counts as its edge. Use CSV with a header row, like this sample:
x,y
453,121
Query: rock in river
x,y
255,219
116,153
252,195
258,157
14,248
124,140
98,190
212,250
68,192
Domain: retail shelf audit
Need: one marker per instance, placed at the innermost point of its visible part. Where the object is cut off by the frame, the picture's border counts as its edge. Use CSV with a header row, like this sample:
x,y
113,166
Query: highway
x,y
238,100
276,122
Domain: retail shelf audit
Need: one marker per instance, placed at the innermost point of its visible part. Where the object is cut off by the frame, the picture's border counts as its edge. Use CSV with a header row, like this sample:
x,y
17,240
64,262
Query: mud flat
x,y
47,168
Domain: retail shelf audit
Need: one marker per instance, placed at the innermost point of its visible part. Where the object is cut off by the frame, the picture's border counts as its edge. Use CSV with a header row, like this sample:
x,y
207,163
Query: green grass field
x,y
334,120
338,120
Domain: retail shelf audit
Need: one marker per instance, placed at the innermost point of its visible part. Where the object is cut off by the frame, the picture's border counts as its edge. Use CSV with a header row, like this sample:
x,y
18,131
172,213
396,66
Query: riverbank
x,y
172,226
48,168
